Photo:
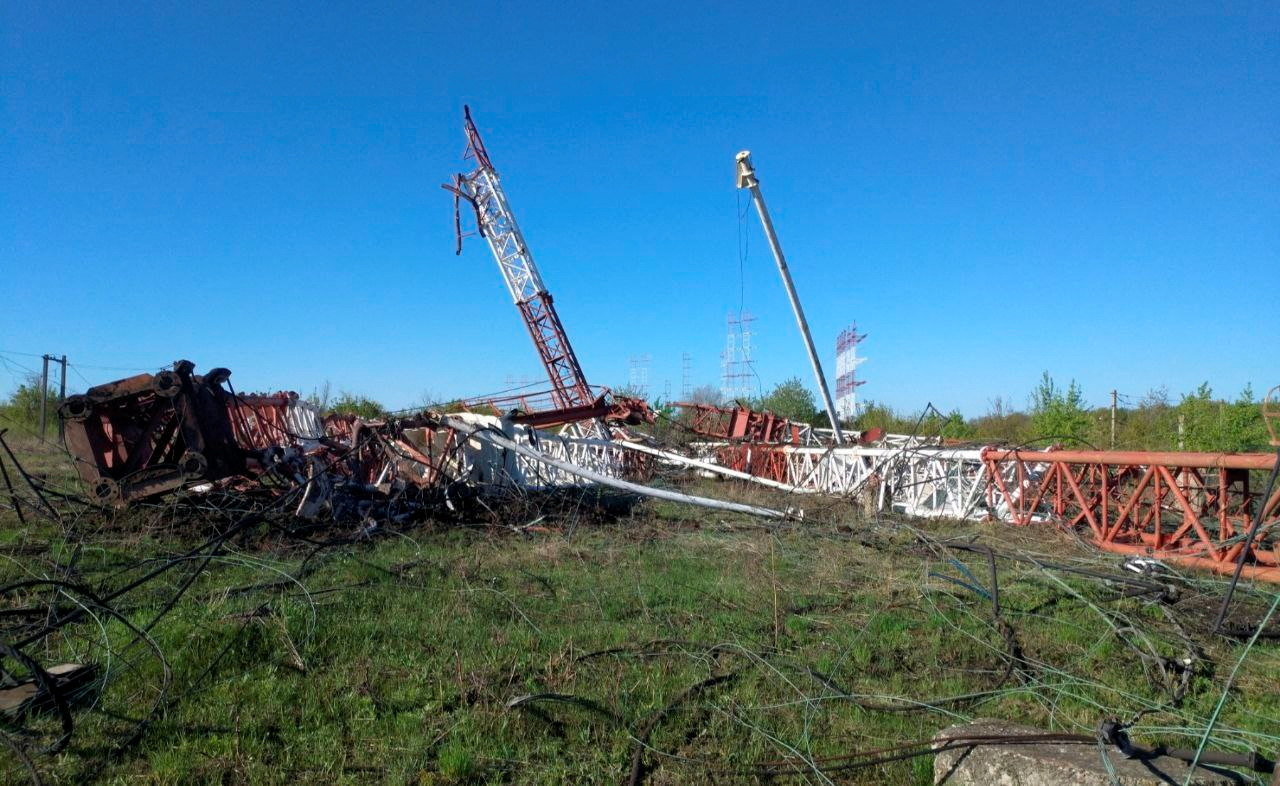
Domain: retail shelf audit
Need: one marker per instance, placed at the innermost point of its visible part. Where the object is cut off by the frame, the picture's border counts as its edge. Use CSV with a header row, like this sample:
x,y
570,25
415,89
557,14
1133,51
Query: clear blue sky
x,y
989,190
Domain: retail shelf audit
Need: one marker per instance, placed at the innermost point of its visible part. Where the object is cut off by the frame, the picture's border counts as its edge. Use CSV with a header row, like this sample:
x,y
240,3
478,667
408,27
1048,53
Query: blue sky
x,y
990,191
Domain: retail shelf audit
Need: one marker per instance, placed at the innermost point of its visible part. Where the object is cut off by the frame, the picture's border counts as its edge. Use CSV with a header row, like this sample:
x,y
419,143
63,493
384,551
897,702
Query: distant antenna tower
x,y
737,369
666,390
847,362
686,376
639,377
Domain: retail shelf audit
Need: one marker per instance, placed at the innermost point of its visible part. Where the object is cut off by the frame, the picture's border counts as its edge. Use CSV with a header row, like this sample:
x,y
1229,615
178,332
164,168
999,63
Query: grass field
x,y
664,645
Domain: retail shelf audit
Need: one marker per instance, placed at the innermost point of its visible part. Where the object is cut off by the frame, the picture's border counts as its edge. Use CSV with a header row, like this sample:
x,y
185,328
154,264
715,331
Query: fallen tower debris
x,y
149,435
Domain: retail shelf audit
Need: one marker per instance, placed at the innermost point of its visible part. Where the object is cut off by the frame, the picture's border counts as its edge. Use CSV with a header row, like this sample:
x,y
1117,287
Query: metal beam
x,y
747,179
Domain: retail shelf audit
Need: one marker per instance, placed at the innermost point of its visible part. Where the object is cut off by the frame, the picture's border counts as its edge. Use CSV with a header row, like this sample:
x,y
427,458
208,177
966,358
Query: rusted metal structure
x,y
538,408
148,434
742,424
151,434
1190,508
572,399
261,420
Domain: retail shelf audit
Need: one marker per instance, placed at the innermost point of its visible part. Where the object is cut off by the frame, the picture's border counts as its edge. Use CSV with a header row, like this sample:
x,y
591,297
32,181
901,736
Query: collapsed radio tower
x,y
573,400
847,362
497,224
738,371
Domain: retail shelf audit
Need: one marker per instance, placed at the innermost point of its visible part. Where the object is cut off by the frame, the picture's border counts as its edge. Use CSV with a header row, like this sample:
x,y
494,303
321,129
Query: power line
x,y
9,364
84,365
73,367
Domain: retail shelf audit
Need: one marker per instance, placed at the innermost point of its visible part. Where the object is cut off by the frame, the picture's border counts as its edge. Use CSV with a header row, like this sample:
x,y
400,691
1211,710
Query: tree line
x,y
1197,421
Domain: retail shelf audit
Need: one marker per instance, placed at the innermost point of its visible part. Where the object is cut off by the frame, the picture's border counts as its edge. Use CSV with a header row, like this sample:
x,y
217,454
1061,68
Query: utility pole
x,y
62,396
44,393
1113,420
747,179
1182,430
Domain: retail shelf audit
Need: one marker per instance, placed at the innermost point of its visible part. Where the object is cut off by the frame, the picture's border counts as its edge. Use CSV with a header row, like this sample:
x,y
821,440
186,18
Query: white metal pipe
x,y
747,179
494,438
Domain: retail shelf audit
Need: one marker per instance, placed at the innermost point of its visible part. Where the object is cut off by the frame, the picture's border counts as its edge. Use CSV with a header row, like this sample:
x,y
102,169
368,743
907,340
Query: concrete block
x,y
1055,764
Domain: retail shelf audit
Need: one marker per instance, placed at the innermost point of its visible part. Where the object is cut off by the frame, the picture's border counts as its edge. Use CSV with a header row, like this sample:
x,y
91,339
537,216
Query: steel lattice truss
x,y
497,223
1190,508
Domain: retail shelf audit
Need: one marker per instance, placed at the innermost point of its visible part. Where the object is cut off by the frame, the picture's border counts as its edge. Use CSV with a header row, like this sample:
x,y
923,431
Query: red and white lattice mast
x,y
847,362
481,187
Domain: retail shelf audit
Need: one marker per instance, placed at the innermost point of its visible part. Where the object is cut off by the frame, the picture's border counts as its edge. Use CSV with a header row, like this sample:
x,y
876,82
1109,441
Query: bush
x,y
23,406
352,404
1058,415
793,401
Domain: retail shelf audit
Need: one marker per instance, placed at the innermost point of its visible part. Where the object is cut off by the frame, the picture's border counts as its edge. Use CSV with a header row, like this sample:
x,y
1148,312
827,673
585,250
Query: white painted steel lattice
x,y
497,223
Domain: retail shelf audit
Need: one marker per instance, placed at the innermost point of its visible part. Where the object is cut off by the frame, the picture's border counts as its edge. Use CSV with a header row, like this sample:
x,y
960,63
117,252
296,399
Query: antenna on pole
x,y
747,179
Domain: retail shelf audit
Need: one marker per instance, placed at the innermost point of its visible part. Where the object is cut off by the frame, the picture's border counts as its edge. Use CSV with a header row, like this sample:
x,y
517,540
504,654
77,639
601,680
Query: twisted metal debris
x,y
73,656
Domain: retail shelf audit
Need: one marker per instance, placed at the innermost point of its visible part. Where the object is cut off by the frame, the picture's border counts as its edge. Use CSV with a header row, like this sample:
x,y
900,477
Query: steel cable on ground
x,y
1038,567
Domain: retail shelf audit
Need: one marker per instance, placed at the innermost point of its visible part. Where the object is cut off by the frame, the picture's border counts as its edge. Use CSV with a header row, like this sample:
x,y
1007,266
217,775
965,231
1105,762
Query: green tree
x,y
353,404
1246,430
320,396
1058,414
954,426
1148,426
23,406
1200,420
877,415
1002,424
792,400
706,394
1214,425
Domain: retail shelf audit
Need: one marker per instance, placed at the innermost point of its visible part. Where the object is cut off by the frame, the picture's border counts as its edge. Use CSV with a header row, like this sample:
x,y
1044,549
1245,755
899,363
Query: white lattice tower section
x,y
738,373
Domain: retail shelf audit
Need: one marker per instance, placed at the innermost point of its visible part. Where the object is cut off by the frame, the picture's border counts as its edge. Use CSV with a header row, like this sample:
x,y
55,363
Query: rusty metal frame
x,y
742,424
1191,508
148,434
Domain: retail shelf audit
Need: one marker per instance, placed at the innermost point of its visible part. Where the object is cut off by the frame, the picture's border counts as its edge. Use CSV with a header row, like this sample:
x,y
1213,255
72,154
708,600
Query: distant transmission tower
x,y
737,369
686,376
639,378
847,362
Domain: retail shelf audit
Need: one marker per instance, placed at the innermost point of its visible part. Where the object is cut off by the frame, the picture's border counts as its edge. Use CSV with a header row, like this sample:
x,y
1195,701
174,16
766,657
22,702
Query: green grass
x,y
399,660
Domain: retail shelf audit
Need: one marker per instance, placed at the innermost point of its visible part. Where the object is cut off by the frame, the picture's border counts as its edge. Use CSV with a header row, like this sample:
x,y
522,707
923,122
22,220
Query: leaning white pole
x,y
489,435
747,179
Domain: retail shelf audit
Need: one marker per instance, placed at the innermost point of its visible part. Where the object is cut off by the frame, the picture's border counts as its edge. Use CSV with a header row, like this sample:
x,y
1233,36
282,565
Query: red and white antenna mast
x,y
847,362
498,225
